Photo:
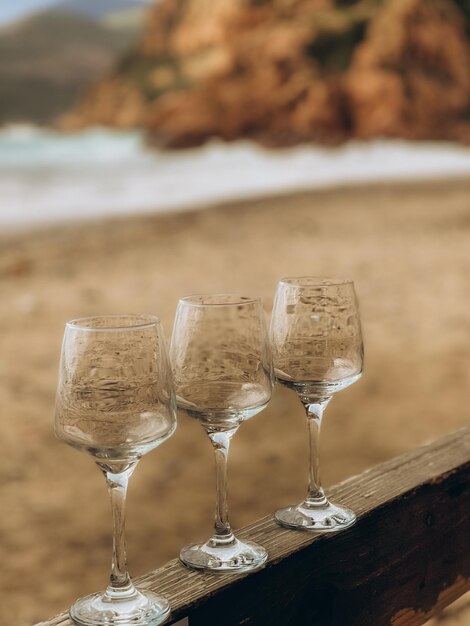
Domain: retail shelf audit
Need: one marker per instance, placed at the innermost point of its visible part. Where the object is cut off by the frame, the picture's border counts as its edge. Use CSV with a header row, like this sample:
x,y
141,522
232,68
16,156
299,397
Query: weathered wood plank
x,y
407,557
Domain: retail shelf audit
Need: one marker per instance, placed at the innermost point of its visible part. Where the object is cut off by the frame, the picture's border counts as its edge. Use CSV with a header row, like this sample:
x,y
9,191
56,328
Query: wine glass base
x,y
237,556
143,608
329,518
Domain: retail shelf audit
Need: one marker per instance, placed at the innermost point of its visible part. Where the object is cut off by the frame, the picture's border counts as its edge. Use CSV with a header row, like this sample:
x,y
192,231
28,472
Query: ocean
x,y
48,177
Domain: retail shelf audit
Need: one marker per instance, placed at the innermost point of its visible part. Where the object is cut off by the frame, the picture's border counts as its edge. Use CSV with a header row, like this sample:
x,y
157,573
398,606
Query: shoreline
x,y
99,173
415,185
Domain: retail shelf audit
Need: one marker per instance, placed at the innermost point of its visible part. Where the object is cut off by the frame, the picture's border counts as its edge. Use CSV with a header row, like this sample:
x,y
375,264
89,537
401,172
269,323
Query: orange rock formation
x,y
289,71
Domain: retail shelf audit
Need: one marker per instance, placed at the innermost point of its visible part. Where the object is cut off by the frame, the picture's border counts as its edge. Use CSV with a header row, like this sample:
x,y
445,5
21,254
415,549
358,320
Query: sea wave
x,y
24,146
47,176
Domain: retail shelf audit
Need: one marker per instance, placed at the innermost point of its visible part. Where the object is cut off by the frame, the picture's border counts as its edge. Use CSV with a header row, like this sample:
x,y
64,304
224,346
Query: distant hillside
x,y
49,59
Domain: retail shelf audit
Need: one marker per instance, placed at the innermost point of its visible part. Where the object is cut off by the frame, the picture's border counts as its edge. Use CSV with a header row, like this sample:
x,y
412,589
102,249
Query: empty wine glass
x,y
115,401
223,375
317,350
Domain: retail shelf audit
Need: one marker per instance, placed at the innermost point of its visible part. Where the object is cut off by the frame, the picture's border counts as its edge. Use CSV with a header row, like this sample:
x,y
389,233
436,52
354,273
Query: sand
x,y
406,246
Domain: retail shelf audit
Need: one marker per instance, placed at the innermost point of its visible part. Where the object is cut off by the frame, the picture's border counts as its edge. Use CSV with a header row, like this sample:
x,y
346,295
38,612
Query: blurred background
x,y
150,150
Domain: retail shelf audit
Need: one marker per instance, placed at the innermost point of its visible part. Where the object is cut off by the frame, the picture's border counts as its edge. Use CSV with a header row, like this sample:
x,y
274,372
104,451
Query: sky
x,y
11,10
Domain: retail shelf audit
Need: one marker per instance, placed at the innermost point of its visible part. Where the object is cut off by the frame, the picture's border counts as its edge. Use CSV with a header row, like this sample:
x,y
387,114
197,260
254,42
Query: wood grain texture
x,y
407,557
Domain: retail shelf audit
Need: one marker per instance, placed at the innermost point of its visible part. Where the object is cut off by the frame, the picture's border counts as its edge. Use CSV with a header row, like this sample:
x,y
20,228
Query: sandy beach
x,y
405,245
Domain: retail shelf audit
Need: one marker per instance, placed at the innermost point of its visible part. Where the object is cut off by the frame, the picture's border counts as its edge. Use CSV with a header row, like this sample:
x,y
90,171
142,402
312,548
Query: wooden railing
x,y
407,557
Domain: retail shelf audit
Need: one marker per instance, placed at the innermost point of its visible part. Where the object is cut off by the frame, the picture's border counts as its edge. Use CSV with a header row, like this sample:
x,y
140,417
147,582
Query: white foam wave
x,y
46,176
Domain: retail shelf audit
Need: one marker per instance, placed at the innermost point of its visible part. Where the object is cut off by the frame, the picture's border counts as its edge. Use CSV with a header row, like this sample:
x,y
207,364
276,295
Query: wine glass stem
x,y
221,442
316,495
120,584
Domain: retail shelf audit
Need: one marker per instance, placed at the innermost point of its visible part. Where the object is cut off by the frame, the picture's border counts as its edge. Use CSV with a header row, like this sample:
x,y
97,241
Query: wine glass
x,y
317,350
222,367
115,401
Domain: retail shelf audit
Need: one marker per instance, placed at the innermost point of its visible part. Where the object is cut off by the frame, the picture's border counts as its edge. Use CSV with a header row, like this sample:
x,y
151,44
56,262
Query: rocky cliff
x,y
288,71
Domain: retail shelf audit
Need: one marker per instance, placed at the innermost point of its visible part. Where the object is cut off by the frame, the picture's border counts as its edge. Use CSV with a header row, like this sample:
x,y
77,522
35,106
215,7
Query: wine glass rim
x,y
197,300
136,321
311,281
